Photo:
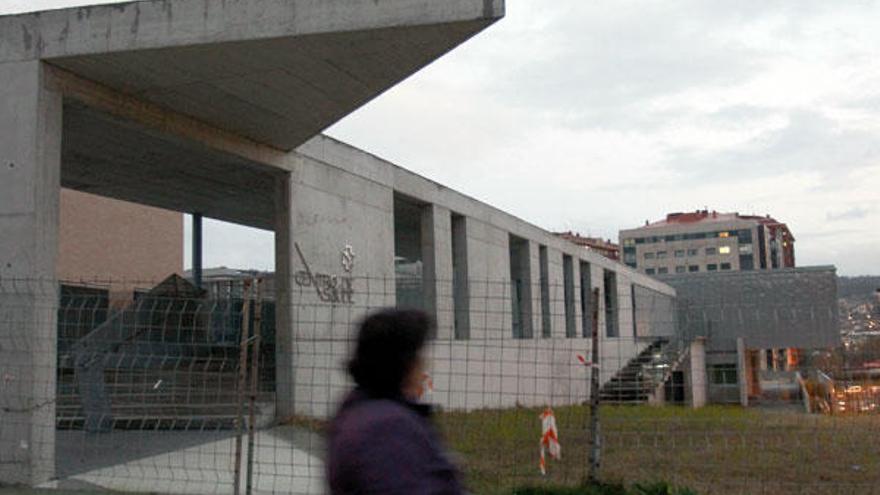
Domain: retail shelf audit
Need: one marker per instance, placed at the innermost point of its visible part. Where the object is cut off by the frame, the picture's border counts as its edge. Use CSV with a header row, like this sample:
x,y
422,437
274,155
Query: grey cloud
x,y
811,141
850,214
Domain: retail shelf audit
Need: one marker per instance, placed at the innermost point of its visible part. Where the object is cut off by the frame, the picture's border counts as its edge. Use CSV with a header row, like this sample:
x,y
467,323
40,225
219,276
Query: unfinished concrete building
x,y
187,105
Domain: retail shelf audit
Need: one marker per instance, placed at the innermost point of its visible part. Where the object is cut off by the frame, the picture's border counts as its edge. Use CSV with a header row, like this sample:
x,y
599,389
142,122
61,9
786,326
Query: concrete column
x,y
742,374
30,176
699,378
284,299
437,259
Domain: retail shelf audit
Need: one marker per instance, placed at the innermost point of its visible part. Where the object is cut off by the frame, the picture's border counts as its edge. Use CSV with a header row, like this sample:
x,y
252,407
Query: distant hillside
x,y
857,289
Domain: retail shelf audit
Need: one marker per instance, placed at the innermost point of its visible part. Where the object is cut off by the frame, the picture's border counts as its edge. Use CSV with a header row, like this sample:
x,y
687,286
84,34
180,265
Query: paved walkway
x,y
286,461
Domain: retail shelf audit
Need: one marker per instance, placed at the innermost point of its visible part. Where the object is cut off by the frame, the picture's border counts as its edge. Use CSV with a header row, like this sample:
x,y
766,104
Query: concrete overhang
x,y
275,71
196,105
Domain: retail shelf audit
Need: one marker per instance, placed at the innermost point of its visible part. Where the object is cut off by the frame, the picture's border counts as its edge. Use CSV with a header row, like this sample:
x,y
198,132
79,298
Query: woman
x,y
381,440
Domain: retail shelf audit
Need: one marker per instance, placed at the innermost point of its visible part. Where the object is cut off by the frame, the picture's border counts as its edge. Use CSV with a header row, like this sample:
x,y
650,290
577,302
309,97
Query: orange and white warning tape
x,y
549,439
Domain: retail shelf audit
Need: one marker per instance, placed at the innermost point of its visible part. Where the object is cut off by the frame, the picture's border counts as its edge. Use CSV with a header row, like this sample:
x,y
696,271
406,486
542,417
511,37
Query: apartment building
x,y
604,247
708,241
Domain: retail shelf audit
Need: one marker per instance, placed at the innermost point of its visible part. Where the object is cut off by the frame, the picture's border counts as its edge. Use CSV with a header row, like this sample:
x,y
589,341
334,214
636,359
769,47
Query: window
x,y
692,252
649,271
694,268
723,374
586,300
460,291
661,255
413,250
710,251
649,256
629,257
568,290
711,267
640,240
520,287
745,236
680,269
629,242
724,250
724,234
679,253
745,249
725,266
611,316
662,270
746,262
631,265
544,267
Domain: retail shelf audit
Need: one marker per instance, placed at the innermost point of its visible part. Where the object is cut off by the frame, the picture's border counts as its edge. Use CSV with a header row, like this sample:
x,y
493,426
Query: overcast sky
x,y
597,116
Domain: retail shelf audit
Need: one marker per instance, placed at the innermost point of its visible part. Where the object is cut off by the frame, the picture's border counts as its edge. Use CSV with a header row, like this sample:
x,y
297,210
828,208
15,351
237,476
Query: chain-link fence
x,y
166,387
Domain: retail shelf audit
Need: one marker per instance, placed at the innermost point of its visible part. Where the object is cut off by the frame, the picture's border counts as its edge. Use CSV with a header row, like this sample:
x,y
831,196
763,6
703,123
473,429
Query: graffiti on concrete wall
x,y
329,288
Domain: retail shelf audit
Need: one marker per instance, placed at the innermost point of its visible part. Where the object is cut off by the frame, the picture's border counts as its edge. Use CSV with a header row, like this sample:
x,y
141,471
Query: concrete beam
x,y
151,24
30,162
275,71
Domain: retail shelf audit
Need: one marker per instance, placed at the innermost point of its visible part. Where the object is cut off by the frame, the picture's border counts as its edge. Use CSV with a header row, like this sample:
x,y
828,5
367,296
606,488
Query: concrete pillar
x,y
284,299
437,259
762,359
742,373
699,377
30,176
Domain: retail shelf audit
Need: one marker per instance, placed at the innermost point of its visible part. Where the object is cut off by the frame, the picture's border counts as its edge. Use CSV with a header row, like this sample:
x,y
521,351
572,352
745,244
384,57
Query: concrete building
x,y
758,325
708,241
115,245
189,106
512,302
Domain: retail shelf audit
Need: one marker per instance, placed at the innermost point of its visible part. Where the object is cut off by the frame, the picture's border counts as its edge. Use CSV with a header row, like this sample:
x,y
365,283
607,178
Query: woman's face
x,y
414,383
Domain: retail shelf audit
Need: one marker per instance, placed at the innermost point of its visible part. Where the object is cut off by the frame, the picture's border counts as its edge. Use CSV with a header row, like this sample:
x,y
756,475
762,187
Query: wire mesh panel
x,y
178,389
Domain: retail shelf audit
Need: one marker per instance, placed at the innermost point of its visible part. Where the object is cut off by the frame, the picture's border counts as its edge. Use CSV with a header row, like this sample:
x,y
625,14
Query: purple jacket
x,y
389,447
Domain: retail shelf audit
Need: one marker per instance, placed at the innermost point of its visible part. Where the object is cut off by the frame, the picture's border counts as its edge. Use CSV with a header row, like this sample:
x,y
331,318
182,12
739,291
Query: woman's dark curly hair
x,y
388,344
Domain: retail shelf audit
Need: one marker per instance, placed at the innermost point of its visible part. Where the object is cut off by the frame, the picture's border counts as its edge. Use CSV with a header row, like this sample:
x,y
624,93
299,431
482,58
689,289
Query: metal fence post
x,y
595,435
242,378
255,373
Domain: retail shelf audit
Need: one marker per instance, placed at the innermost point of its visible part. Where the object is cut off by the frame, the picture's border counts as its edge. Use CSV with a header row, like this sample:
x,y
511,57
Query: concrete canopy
x,y
274,71
196,105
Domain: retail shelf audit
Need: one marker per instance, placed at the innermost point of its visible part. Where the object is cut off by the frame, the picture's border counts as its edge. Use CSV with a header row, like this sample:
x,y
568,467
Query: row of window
x,y
680,253
744,235
711,267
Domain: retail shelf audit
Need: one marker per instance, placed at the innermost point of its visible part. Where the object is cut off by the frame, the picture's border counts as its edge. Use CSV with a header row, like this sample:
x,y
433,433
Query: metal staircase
x,y
639,381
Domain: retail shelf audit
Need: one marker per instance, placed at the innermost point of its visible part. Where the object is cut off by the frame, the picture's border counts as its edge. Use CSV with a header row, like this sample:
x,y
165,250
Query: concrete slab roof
x,y
274,71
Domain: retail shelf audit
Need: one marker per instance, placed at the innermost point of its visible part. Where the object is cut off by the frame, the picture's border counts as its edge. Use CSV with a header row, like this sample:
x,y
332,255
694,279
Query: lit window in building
x,y
724,250
710,251
724,234
745,249
629,242
725,266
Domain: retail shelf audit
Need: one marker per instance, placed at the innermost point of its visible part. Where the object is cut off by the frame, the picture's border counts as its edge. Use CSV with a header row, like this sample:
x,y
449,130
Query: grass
x,y
712,450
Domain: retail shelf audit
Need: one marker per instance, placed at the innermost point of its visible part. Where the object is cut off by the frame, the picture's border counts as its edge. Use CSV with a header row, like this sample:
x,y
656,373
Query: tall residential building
x,y
708,241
